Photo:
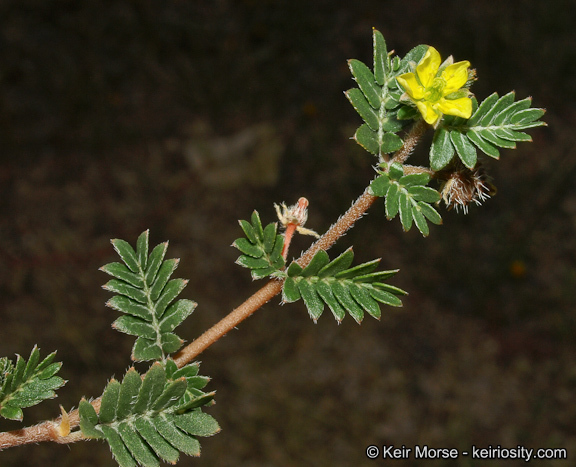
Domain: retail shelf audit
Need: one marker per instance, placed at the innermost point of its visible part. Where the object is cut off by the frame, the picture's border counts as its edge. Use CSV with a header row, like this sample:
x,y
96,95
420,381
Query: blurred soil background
x,y
184,116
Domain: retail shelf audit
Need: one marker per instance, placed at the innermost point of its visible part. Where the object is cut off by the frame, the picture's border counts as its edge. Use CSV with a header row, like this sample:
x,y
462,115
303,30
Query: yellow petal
x,y
427,69
411,86
428,113
459,107
455,76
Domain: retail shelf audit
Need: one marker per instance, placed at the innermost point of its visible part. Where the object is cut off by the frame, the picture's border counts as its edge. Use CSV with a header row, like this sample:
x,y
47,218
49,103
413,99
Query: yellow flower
x,y
430,89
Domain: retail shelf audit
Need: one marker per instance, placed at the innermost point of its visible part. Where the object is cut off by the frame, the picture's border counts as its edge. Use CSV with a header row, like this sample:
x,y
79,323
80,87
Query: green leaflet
x,y
409,196
27,383
151,419
146,297
261,248
494,124
367,82
441,151
355,290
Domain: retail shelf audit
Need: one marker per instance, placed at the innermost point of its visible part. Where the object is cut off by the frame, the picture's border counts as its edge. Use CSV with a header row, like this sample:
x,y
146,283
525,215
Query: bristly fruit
x,y
462,186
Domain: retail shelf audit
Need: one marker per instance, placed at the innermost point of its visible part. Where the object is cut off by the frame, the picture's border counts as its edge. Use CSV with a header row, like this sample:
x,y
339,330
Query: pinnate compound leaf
x,y
378,98
261,248
495,123
353,290
27,383
146,296
151,419
409,196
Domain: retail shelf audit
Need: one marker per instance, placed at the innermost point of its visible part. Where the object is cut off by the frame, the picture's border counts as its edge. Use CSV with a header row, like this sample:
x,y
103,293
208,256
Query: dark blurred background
x,y
183,116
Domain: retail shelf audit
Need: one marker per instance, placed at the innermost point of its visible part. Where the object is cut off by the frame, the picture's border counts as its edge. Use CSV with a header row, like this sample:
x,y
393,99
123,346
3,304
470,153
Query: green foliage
x,y
495,123
27,383
145,296
344,289
409,196
377,98
146,420
261,248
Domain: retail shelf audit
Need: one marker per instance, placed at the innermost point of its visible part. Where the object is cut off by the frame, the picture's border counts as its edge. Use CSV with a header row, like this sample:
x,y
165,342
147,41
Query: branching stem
x,y
274,287
48,430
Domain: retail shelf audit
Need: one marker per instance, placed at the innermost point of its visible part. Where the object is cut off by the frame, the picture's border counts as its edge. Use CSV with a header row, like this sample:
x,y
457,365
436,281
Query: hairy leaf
x,y
147,297
151,419
495,123
353,290
261,248
409,196
27,383
378,98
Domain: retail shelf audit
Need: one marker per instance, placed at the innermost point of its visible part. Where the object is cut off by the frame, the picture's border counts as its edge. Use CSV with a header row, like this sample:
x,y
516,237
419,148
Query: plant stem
x,y
410,142
273,287
48,430
45,431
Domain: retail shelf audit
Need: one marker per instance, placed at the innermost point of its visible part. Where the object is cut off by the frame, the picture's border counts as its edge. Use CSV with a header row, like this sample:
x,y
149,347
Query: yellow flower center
x,y
436,91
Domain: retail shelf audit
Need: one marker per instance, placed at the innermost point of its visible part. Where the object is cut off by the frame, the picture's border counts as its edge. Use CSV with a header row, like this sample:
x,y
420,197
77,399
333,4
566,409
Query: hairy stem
x,y
48,430
45,431
410,141
273,287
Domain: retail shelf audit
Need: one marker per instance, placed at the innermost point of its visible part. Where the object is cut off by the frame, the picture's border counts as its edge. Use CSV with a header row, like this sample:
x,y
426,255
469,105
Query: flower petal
x,y
410,84
455,76
459,107
428,112
427,69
